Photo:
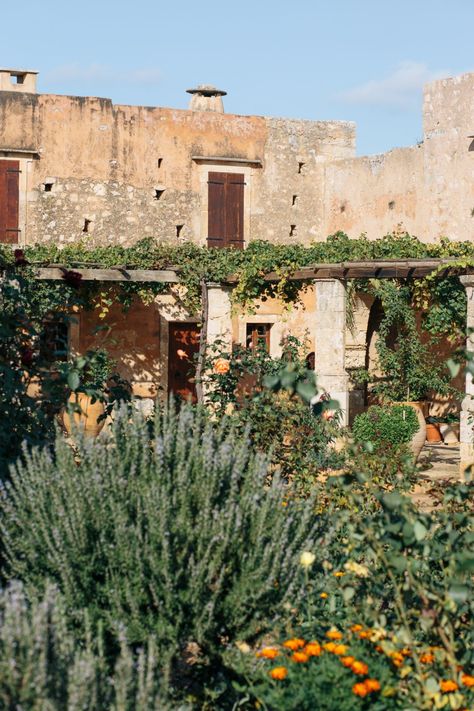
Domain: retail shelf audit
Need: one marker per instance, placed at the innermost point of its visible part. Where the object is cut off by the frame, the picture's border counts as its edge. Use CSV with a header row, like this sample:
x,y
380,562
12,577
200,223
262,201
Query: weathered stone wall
x,y
427,189
93,169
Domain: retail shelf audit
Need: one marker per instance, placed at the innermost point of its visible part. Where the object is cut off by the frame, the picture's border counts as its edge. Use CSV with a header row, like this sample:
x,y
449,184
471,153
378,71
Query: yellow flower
x,y
268,653
359,667
360,570
313,649
333,634
330,646
397,658
340,649
323,595
307,559
294,643
279,673
467,680
338,573
448,685
243,647
299,657
360,689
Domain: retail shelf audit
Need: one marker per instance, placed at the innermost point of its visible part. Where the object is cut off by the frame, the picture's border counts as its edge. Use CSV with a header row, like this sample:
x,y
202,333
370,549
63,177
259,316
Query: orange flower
x,y
279,673
364,634
359,667
467,680
294,643
313,649
338,573
372,684
323,595
330,646
448,685
360,689
334,634
347,661
221,366
299,657
397,658
340,649
356,628
406,652
268,653
427,658
378,648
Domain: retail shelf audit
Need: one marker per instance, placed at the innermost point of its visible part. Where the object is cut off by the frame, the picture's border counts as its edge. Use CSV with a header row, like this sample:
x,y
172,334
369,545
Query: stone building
x,y
81,168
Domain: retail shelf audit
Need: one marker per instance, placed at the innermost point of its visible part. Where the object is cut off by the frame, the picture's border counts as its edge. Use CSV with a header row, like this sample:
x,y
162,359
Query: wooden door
x,y
226,210
9,193
183,349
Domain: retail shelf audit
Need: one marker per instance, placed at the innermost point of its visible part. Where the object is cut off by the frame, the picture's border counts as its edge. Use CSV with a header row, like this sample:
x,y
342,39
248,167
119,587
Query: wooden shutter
x,y
9,197
226,210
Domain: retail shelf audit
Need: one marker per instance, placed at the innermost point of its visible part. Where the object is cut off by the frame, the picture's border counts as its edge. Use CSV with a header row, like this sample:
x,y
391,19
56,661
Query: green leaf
x,y
458,592
453,367
348,593
420,531
306,391
73,380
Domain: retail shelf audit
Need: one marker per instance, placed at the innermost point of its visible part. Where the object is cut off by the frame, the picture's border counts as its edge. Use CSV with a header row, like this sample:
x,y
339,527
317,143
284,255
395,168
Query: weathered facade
x,y
81,168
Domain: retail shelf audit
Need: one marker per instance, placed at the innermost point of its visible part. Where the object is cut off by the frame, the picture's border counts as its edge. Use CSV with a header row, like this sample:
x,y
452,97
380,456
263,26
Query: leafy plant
x,y
386,426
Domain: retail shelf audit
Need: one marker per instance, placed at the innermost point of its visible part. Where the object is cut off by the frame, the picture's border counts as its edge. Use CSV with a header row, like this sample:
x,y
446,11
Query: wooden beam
x,y
164,276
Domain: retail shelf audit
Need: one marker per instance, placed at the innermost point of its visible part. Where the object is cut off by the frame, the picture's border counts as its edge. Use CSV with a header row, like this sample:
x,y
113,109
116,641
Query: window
x,y
258,336
226,210
9,199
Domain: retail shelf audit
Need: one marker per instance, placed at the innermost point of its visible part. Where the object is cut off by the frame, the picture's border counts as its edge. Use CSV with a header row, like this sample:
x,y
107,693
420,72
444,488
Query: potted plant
x,y
388,427
94,387
449,428
433,433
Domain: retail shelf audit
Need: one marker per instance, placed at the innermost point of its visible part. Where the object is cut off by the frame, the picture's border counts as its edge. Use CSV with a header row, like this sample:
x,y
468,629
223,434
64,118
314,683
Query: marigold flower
x,y
313,649
299,657
360,689
330,646
323,595
347,661
268,653
448,685
221,366
279,673
307,559
356,628
378,648
406,652
294,643
467,680
338,573
333,634
427,658
397,658
364,634
340,649
359,667
372,684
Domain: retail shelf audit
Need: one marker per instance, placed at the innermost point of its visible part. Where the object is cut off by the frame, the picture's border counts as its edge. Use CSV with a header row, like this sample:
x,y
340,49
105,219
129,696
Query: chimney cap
x,y
207,90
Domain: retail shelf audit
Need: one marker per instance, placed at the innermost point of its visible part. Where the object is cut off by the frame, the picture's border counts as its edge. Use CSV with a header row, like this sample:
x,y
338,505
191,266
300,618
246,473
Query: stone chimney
x,y
23,80
206,98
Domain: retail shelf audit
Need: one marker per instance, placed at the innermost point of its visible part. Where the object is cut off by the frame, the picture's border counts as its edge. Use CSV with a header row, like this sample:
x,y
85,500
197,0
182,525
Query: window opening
x,y
179,229
87,224
258,336
158,194
300,167
294,199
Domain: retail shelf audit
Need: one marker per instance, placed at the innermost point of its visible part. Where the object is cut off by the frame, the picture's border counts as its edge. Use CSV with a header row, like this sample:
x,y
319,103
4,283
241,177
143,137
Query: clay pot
x,y
419,438
450,432
86,421
433,433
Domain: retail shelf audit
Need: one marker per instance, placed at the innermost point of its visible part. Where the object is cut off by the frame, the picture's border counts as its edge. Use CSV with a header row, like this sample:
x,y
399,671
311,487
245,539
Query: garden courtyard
x,y
278,515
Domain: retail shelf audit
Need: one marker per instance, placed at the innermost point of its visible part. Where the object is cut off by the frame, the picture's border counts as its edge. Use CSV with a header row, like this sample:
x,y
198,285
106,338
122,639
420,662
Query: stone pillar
x,y
330,342
467,406
219,325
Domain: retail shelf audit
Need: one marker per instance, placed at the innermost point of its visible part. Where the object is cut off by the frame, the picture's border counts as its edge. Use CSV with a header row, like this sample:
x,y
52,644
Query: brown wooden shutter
x,y
9,198
226,210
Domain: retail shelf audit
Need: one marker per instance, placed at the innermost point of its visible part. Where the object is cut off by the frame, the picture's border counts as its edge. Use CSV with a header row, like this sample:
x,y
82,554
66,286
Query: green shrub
x,y
176,530
43,666
386,426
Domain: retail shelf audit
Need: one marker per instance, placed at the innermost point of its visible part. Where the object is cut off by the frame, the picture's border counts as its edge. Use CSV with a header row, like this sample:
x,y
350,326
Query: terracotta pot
x,y
87,419
433,433
419,438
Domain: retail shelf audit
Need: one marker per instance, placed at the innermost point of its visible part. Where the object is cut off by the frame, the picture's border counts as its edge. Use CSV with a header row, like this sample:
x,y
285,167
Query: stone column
x,y
219,324
330,341
467,406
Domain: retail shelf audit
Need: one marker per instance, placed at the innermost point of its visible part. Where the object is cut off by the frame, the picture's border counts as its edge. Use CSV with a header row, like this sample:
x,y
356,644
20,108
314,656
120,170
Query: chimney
x,y
206,98
23,80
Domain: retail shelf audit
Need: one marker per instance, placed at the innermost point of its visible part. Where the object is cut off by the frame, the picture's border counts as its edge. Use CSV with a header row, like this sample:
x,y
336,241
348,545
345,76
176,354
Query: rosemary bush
x,y
172,528
42,665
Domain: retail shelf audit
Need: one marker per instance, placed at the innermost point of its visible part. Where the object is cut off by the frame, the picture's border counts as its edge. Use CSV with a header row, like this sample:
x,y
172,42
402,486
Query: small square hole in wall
x,y
158,193
160,161
300,167
87,224
17,78
391,204
343,207
48,187
294,200
292,230
179,229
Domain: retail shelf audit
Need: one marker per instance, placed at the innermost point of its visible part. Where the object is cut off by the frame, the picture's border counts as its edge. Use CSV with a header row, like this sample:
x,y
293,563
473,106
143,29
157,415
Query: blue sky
x,y
364,61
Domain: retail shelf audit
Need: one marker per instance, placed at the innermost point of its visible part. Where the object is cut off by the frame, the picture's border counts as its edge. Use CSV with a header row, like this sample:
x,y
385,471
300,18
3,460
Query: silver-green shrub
x,y
174,529
44,668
